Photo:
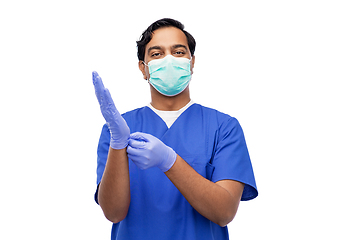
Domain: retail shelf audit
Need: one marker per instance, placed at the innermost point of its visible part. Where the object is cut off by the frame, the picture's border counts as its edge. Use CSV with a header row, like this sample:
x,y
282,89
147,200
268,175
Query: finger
x,y
136,157
133,152
94,75
108,101
99,86
97,80
136,144
139,136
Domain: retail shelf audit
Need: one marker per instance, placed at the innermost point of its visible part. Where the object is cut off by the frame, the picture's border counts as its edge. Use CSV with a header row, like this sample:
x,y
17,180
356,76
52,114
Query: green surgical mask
x,y
169,75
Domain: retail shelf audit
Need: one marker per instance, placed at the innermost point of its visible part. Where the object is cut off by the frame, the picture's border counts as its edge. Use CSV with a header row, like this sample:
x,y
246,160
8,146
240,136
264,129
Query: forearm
x,y
212,200
114,189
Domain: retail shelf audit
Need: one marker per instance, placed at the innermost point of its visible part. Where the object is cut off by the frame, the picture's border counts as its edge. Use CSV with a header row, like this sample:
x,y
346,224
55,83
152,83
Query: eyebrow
x,y
172,47
179,46
153,47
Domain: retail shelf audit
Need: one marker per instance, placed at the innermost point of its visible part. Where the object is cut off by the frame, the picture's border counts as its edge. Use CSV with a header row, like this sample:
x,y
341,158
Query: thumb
x,y
136,144
139,136
137,140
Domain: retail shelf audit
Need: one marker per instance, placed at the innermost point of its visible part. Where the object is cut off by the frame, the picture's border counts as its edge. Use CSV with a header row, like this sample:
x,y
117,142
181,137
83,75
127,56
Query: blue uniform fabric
x,y
211,142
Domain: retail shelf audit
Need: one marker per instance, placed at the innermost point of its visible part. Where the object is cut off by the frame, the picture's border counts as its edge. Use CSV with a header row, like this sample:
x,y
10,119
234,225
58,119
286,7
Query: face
x,y
166,41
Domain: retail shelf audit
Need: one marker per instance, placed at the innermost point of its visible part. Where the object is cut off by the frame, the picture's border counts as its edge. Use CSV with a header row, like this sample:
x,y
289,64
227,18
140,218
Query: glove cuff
x,y
118,145
169,161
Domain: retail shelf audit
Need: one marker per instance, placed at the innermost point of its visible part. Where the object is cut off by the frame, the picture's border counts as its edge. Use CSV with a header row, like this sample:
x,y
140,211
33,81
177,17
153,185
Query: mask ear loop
x,y
147,66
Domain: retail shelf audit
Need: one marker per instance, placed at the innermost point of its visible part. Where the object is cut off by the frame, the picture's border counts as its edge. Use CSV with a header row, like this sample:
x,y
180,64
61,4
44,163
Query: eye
x,y
156,54
179,53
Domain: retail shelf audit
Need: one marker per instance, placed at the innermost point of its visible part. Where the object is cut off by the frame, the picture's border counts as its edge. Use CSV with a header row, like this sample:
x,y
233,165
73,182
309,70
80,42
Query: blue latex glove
x,y
119,130
147,151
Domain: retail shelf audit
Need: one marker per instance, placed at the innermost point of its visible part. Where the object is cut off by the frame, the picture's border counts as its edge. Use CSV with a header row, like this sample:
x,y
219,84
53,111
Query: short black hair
x,y
145,38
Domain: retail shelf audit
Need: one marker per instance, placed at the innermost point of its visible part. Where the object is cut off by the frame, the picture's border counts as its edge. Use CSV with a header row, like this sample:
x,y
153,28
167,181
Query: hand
x,y
147,151
119,130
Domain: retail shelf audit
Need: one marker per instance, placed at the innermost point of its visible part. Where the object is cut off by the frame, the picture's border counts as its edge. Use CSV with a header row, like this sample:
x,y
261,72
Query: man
x,y
173,169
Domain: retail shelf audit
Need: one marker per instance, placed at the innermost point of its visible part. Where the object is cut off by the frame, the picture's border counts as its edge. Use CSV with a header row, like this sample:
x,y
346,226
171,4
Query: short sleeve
x,y
231,159
102,153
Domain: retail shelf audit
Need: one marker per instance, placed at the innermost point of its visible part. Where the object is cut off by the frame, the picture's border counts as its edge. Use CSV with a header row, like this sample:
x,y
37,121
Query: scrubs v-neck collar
x,y
169,117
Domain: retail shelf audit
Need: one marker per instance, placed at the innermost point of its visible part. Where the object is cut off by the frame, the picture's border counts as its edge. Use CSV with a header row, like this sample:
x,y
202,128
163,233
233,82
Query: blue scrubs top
x,y
211,142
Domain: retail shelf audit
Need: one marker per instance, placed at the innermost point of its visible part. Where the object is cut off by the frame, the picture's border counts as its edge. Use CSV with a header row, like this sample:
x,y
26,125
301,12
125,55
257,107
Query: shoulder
x,y
212,111
216,116
135,114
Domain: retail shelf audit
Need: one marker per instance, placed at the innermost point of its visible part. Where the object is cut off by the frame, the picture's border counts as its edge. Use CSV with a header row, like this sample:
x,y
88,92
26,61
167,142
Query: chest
x,y
193,136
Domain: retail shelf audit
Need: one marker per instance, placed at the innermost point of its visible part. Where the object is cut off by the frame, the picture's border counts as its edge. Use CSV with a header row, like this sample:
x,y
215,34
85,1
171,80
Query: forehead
x,y
166,37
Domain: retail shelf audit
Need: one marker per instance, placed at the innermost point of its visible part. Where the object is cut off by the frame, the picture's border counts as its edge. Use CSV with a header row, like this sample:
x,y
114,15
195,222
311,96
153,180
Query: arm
x,y
217,202
114,188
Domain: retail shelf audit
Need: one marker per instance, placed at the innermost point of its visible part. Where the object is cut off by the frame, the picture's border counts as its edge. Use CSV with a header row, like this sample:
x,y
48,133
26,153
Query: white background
x,y
289,71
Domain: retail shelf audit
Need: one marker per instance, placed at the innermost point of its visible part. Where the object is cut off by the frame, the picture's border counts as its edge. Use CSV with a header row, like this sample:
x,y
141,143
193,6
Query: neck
x,y
165,103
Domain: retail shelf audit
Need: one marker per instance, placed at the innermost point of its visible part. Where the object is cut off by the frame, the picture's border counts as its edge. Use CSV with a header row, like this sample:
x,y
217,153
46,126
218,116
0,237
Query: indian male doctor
x,y
173,169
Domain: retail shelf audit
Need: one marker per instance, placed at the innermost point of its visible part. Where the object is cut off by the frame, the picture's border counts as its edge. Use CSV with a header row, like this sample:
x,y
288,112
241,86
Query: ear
x,y
142,69
192,64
